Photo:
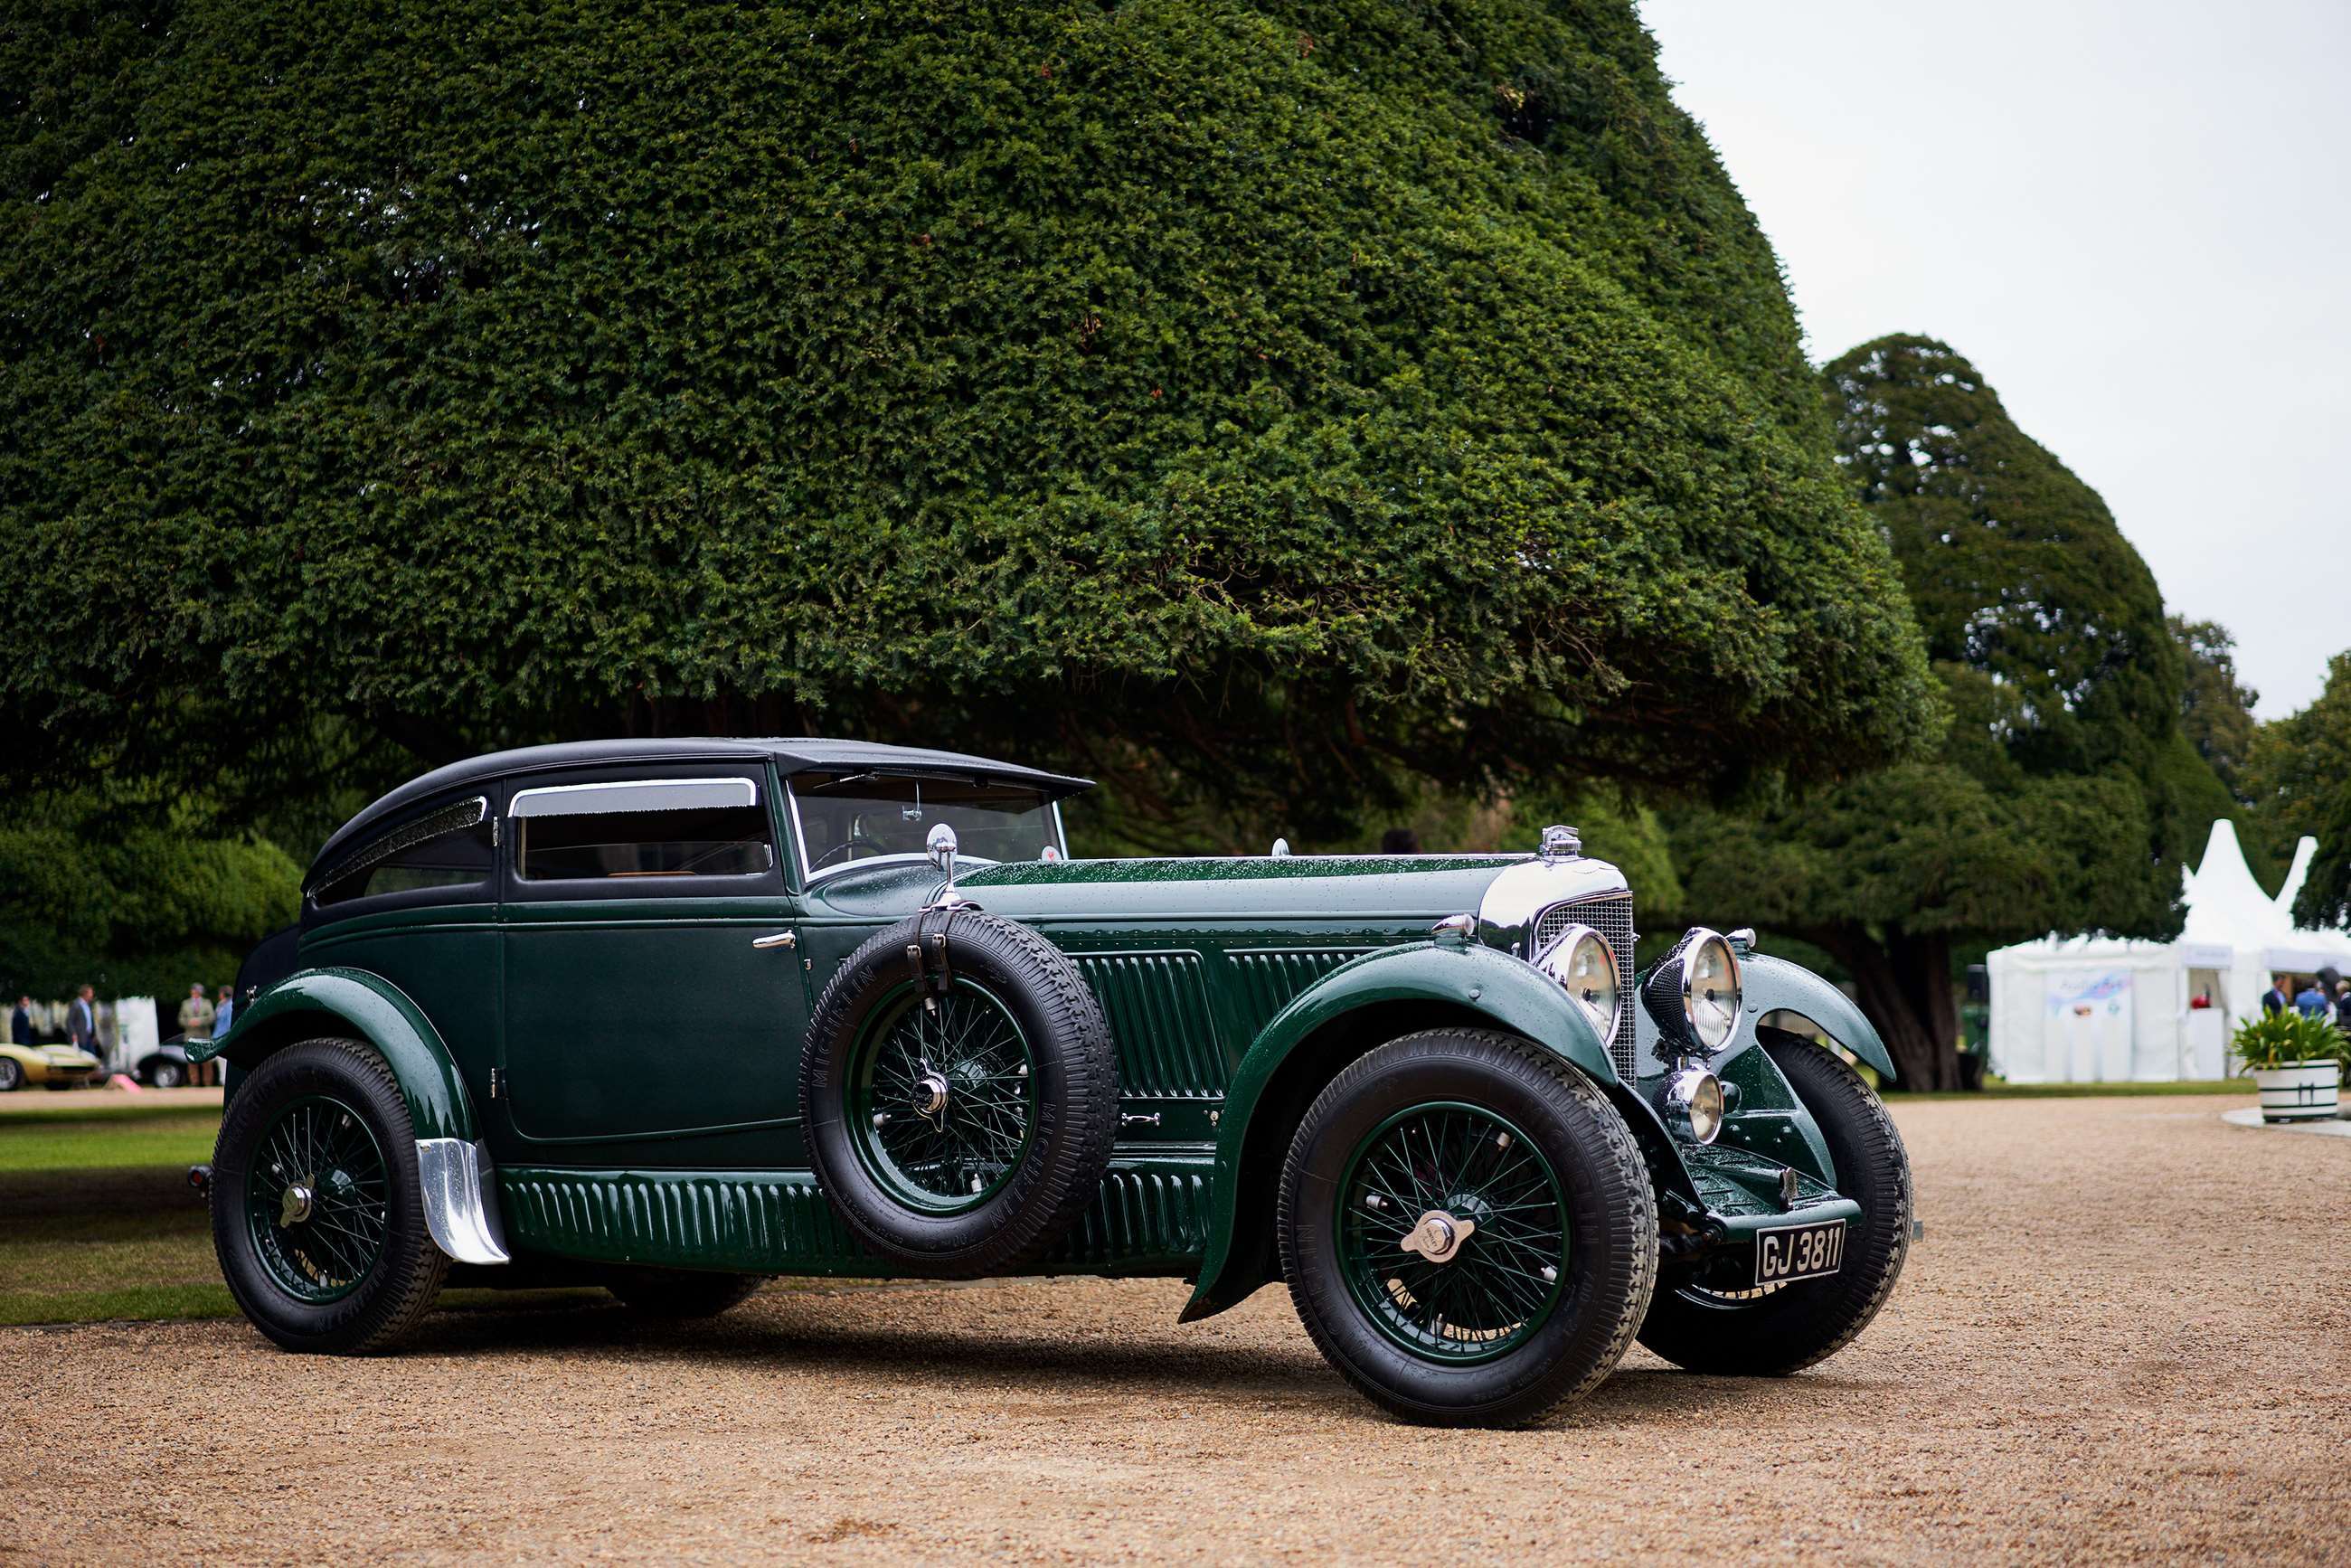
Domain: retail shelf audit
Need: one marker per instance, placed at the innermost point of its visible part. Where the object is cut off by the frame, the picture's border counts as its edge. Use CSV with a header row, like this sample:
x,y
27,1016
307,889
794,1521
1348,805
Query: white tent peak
x,y
2304,852
2225,904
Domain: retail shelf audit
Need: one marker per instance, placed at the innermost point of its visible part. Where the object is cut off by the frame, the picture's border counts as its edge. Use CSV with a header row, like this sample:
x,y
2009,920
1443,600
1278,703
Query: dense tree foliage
x,y
2216,708
99,892
2299,776
1256,406
2065,794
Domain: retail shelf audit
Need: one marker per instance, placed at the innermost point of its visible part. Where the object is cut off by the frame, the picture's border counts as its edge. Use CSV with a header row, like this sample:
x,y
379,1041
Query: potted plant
x,y
2296,1064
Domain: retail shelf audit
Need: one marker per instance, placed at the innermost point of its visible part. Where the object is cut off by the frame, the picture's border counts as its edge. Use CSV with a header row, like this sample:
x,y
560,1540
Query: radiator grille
x,y
1612,917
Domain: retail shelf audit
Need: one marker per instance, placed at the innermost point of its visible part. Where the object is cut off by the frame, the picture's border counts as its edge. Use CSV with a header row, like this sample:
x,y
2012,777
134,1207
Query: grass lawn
x,y
101,1222
175,1136
98,1222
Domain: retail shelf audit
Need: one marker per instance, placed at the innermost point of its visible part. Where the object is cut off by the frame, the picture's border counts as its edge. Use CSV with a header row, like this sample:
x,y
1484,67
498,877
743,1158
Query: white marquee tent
x,y
2104,1010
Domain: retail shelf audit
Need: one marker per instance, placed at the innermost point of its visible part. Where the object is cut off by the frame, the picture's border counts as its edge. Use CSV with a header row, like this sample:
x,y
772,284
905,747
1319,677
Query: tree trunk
x,y
1905,983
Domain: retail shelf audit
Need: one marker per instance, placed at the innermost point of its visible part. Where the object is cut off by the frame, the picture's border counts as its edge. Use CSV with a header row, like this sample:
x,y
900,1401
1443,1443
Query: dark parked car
x,y
674,1016
165,1067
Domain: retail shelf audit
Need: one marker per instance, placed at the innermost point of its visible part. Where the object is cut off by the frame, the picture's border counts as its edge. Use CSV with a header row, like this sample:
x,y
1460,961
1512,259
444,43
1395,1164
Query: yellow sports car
x,y
54,1066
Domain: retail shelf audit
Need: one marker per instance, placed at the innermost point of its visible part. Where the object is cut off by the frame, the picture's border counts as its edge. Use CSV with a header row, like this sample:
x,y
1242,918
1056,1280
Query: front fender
x,y
1772,984
1472,985
376,1011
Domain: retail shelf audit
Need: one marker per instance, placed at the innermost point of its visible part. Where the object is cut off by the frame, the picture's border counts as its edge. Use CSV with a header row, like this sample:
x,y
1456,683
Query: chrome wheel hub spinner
x,y
930,1095
1438,1235
294,1204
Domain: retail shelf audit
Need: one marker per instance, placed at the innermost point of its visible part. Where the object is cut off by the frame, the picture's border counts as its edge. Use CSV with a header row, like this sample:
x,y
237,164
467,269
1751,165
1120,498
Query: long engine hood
x,y
1347,889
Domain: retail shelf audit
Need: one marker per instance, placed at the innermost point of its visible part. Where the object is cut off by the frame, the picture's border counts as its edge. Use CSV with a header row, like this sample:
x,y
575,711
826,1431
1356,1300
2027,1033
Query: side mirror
x,y
939,844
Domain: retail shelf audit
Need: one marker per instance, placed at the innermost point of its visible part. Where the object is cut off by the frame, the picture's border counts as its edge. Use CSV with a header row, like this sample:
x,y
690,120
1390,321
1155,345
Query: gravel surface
x,y
2122,1336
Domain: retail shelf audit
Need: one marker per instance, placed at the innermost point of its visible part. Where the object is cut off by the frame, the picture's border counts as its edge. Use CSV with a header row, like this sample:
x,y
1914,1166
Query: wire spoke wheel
x,y
315,1199
943,1097
1452,1232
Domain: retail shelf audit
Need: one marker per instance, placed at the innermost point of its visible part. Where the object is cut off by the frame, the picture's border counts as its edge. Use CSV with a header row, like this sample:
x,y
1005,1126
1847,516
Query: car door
x,y
654,999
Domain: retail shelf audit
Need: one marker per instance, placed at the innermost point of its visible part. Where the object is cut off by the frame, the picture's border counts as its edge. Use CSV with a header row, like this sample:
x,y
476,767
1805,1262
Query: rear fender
x,y
459,1186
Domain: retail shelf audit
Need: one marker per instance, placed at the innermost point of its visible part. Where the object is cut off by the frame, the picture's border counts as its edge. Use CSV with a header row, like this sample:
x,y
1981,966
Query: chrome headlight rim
x,y
1554,960
1671,995
1695,1106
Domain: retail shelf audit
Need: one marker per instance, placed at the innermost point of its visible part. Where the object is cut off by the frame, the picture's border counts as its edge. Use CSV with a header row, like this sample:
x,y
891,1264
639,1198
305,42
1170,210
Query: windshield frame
x,y
812,875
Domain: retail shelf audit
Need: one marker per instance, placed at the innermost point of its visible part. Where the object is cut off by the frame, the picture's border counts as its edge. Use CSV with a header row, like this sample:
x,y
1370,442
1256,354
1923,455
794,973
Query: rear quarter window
x,y
452,846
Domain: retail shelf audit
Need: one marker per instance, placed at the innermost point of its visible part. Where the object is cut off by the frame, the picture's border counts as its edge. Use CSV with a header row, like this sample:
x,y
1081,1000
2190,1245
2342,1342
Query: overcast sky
x,y
2135,219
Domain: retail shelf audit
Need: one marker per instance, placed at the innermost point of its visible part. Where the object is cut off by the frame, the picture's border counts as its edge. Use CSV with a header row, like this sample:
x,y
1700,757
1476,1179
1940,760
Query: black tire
x,y
1610,1235
383,1299
167,1074
1068,1110
680,1294
12,1075
1800,1324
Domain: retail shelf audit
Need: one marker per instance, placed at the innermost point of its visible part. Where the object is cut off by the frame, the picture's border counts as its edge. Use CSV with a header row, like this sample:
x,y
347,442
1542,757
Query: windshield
x,y
847,819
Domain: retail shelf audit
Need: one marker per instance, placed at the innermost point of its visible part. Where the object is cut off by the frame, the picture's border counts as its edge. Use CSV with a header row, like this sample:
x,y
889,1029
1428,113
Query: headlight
x,y
1581,959
1693,1105
1694,995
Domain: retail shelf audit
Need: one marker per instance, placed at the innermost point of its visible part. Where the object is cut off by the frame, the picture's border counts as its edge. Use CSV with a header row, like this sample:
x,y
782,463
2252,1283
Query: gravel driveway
x,y
2122,1336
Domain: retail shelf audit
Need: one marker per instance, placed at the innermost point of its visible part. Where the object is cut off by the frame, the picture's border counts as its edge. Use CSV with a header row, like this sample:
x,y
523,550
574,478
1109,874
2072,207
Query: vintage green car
x,y
674,1016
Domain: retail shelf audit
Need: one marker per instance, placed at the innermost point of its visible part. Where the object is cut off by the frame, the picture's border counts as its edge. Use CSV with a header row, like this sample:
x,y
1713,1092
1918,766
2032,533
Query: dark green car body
x,y
606,1073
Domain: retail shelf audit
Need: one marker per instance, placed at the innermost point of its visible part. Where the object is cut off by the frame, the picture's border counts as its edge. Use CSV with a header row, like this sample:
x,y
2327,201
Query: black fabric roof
x,y
795,754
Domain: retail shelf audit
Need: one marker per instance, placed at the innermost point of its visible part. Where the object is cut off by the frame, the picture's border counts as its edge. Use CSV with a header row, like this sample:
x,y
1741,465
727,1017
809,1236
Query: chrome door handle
x,y
781,939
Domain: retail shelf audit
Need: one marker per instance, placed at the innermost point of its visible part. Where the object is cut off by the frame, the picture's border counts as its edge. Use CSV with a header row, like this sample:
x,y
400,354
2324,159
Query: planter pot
x,y
2300,1090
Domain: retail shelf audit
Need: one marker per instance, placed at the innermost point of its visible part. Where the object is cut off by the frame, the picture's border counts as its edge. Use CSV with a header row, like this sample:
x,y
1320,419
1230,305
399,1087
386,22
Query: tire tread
x,y
383,1317
1631,1258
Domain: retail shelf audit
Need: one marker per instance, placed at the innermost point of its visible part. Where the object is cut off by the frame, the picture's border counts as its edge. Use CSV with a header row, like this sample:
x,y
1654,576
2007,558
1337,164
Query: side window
x,y
450,847
641,828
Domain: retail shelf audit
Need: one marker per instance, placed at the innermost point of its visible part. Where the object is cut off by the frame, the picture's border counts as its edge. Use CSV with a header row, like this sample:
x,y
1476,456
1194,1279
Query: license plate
x,y
1799,1253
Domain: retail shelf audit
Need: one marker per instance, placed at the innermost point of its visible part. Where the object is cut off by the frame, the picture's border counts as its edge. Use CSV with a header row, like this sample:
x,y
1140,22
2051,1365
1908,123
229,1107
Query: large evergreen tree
x,y
2065,794
2216,708
135,903
2299,776
1251,403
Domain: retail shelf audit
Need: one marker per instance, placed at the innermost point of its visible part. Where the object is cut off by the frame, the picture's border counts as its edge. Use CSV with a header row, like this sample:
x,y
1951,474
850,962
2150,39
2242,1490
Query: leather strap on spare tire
x,y
959,1092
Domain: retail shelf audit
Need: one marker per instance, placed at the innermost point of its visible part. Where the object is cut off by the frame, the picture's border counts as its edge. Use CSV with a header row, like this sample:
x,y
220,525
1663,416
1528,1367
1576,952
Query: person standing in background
x,y
209,1072
20,1022
2343,1006
2273,1000
2313,1003
81,1022
196,1014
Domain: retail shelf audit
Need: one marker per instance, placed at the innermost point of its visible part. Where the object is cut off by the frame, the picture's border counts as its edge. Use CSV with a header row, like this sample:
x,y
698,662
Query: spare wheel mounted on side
x,y
959,1092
